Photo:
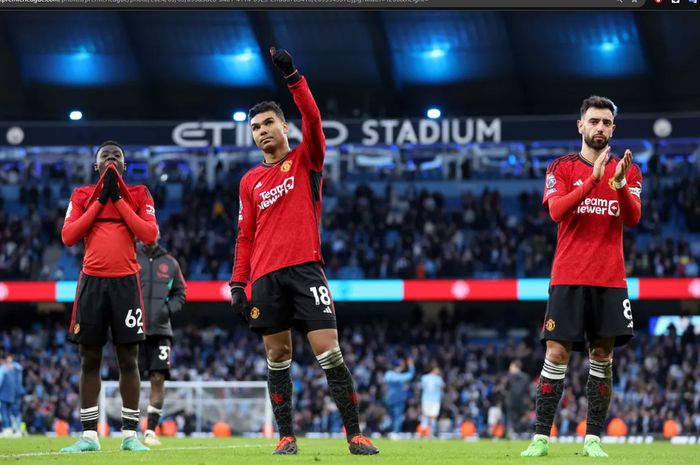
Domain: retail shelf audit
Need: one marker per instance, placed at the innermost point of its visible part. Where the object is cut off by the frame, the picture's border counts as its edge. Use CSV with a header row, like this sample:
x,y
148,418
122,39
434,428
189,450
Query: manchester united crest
x,y
76,328
255,313
550,325
286,166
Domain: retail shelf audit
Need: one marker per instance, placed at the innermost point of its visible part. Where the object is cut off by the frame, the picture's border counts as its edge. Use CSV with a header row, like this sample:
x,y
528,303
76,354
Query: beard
x,y
596,144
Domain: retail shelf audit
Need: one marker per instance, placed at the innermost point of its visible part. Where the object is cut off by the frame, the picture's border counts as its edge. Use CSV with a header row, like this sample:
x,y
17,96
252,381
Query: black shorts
x,y
154,355
108,302
585,313
296,296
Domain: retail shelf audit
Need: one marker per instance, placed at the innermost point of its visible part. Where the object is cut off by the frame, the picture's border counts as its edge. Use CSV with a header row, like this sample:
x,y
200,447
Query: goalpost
x,y
243,405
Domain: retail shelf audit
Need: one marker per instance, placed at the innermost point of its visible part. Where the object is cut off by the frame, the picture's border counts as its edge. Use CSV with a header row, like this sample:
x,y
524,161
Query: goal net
x,y
242,405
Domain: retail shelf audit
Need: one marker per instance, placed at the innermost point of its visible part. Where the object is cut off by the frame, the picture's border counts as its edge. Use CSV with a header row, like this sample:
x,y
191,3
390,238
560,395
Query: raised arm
x,y
313,140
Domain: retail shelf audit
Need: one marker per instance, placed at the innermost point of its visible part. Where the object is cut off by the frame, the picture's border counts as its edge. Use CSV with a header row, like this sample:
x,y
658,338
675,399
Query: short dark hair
x,y
596,101
262,107
109,142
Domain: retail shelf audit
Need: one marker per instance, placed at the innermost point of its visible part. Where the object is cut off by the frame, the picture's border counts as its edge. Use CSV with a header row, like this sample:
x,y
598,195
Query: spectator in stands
x,y
473,370
366,234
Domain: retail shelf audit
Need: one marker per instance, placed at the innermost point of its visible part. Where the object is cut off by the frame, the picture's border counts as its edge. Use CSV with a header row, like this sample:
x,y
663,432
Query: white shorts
x,y
430,409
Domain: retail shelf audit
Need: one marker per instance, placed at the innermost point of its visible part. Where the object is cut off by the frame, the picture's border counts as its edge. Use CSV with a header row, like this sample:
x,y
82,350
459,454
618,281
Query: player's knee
x,y
323,340
279,353
558,355
90,360
328,342
127,356
90,364
127,364
157,378
600,354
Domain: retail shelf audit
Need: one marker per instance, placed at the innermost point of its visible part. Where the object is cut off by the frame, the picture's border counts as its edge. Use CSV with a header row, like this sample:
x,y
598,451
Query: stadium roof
x,y
206,64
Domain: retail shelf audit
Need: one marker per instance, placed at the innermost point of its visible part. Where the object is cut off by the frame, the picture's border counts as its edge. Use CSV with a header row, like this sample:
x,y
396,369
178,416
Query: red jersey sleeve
x,y
313,146
563,205
630,197
246,234
141,222
555,182
560,200
79,219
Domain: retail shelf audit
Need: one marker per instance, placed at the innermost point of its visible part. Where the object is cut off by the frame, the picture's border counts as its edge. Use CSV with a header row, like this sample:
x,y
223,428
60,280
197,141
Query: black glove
x,y
239,301
283,61
106,187
114,193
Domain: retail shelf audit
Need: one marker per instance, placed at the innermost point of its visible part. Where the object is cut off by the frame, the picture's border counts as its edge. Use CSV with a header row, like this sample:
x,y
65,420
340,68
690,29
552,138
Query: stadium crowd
x,y
417,234
656,377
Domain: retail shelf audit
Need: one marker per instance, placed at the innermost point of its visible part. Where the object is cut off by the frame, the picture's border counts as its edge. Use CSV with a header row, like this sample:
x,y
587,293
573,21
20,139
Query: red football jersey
x,y
109,230
280,204
589,241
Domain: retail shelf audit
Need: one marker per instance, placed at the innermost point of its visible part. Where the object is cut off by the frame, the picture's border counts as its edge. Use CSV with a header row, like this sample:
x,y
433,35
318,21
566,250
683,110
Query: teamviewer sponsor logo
x,y
271,196
595,206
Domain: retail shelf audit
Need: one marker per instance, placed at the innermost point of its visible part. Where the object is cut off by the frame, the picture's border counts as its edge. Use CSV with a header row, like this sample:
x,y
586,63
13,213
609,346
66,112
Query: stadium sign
x,y
368,132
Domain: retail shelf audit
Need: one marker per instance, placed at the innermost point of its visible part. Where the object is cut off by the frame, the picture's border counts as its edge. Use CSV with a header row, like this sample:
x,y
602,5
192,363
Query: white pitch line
x,y
68,454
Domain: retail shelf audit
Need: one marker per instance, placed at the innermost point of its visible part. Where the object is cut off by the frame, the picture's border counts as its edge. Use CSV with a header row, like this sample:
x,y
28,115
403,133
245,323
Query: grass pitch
x,y
210,451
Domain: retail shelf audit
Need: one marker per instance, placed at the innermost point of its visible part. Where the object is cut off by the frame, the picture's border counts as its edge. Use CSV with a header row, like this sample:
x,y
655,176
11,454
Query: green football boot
x,y
539,447
133,444
592,448
83,445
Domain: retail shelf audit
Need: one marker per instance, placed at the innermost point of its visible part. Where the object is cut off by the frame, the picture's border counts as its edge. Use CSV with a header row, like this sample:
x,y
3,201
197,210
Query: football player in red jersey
x,y
278,250
108,217
591,195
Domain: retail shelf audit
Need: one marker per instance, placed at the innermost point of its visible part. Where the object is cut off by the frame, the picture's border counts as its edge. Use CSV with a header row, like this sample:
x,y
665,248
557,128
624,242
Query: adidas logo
x,y
631,325
327,310
140,331
258,185
578,183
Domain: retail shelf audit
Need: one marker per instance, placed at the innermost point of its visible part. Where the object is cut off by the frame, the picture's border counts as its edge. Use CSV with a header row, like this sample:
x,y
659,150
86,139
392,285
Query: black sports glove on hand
x,y
239,301
283,61
106,187
114,193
